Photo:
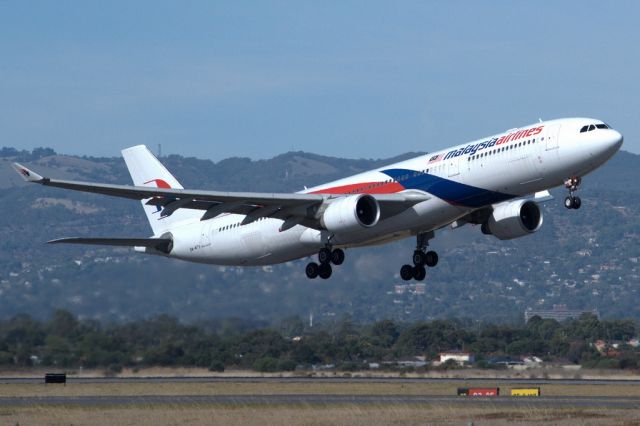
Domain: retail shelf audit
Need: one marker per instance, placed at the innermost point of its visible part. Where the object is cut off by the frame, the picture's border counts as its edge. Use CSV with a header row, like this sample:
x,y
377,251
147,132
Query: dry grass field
x,y
487,413
313,415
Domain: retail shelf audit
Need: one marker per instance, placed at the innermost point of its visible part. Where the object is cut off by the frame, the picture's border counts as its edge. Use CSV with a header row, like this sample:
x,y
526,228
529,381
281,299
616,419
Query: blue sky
x,y
341,78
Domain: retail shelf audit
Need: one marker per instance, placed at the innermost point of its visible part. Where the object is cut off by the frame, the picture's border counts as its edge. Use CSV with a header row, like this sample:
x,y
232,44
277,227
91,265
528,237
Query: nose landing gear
x,y
420,258
571,201
326,256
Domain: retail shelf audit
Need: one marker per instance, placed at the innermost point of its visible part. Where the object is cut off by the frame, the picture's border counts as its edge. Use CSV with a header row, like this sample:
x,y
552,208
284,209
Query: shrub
x,y
266,364
217,366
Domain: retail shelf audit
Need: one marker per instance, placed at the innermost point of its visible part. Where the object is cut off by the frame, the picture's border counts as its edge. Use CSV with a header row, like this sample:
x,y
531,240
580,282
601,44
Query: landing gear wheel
x,y
485,229
431,259
324,256
419,258
312,270
577,202
572,202
419,273
337,257
406,272
324,271
568,202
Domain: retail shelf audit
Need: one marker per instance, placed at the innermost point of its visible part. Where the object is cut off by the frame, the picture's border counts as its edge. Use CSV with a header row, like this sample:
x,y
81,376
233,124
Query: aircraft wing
x,y
297,208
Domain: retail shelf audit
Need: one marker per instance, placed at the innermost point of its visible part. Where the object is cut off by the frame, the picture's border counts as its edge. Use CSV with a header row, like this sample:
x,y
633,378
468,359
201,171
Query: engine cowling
x,y
351,213
513,220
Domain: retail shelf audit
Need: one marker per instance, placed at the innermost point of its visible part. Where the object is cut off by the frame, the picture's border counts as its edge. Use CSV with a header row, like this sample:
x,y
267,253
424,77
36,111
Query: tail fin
x,y
146,170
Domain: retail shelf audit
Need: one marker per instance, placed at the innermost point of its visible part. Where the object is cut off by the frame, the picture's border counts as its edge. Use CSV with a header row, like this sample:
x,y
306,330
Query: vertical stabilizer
x,y
146,170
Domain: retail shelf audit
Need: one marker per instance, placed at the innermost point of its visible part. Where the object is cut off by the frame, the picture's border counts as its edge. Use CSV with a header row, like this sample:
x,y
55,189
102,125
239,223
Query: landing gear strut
x,y
571,201
326,256
420,258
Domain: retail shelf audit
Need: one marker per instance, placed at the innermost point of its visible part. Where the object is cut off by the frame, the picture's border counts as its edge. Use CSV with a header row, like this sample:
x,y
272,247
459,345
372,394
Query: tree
x,y
291,327
384,333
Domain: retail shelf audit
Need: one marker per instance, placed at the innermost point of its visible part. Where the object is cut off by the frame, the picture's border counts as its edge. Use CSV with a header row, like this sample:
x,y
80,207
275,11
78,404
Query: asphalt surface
x,y
224,379
321,399
195,400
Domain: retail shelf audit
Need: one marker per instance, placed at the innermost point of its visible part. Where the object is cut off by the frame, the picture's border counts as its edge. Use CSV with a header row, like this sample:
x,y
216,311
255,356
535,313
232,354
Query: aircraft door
x,y
205,234
453,166
551,137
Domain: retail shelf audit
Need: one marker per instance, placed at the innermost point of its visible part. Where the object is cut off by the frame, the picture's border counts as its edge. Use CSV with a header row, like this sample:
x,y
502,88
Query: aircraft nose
x,y
616,140
608,144
613,142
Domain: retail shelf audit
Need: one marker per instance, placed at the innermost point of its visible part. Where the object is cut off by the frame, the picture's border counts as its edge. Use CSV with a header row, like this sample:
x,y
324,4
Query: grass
x,y
340,415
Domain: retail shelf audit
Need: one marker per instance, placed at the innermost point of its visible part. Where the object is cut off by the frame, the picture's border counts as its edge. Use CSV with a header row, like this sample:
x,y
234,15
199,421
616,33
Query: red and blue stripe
x,y
402,179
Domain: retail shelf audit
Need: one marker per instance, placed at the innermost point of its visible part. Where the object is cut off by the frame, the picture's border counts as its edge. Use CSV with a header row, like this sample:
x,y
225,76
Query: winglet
x,y
28,175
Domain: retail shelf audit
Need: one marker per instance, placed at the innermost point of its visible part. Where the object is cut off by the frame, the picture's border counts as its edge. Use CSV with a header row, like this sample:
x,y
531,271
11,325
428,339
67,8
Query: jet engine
x,y
351,213
513,219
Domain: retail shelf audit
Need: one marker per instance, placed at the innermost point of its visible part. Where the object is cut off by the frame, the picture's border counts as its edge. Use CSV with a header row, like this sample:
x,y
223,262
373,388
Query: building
x,y
459,357
558,313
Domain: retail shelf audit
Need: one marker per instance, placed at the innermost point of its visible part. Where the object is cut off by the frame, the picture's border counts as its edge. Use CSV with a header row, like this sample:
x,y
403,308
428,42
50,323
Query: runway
x,y
251,379
320,400
270,391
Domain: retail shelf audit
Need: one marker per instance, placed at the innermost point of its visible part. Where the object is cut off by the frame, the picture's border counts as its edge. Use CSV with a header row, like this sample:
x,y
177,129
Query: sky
x,y
356,79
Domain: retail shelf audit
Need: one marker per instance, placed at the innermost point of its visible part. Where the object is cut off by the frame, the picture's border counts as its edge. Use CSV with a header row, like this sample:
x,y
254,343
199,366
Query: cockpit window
x,y
590,127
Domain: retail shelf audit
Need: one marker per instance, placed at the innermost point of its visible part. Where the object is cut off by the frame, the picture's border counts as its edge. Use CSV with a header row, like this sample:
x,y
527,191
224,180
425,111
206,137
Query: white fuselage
x,y
459,180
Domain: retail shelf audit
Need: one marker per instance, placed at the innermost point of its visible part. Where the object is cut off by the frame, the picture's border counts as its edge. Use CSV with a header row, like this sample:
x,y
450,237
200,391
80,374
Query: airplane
x,y
496,182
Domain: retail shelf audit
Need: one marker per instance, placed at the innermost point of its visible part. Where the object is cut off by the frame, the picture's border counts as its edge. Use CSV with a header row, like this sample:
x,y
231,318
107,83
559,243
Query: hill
x,y
584,259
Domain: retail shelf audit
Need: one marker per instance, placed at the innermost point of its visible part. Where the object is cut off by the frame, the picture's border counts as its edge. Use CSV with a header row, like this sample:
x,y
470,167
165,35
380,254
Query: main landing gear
x,y
572,202
326,256
421,257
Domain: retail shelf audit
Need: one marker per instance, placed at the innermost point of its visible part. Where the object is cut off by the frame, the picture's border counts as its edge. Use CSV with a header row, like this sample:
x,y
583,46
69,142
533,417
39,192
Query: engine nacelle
x,y
351,213
513,220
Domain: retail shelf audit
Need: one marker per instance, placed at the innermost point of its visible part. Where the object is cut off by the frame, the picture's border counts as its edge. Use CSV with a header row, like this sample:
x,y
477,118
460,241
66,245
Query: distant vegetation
x,y
585,259
67,343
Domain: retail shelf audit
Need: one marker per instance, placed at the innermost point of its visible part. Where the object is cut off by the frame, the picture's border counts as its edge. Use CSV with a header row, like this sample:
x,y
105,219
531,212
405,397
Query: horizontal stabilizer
x,y
160,244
